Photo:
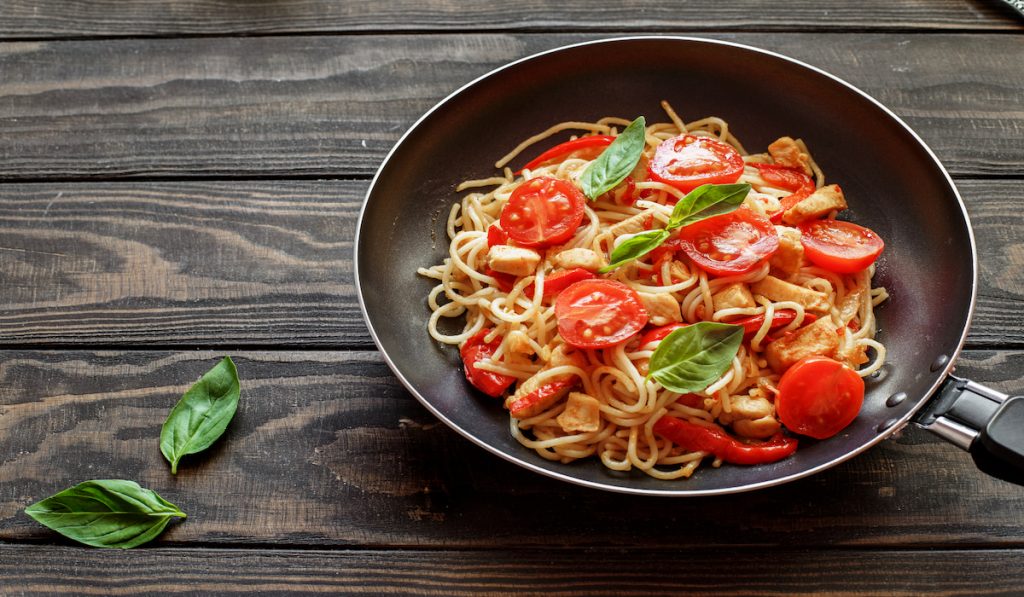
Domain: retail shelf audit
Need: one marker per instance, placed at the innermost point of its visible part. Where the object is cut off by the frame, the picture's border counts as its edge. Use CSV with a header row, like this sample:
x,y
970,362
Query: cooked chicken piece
x,y
532,397
630,225
818,204
786,152
762,428
582,413
517,261
662,308
579,257
779,290
751,407
850,305
853,357
518,342
790,255
818,338
733,296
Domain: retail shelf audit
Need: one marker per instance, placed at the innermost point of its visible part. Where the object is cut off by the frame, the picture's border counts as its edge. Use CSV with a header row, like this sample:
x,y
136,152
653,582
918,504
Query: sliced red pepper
x,y
658,334
474,351
496,236
541,398
563,149
721,444
799,184
779,318
691,400
560,280
505,281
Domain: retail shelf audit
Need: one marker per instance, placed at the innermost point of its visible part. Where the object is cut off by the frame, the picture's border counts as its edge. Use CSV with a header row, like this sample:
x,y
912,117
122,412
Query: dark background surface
x,y
180,180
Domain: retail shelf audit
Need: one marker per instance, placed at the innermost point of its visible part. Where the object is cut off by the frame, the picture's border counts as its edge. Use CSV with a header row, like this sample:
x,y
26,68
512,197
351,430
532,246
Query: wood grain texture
x,y
58,18
333,106
328,449
40,571
270,263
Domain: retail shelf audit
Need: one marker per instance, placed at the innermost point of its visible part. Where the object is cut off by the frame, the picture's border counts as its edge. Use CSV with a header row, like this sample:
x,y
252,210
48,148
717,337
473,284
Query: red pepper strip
x,y
799,184
707,439
568,147
691,400
559,281
496,236
505,281
541,398
779,318
474,351
658,334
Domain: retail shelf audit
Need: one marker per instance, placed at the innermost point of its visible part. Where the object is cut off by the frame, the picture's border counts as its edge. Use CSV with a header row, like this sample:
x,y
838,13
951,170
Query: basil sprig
x,y
616,161
202,414
704,202
106,513
693,357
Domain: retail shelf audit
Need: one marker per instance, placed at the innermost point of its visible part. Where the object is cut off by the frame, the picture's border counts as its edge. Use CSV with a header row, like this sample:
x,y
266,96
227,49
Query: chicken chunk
x,y
762,428
786,261
751,407
733,296
818,204
850,305
779,290
853,356
579,257
582,413
786,152
662,308
630,225
517,261
818,338
518,342
533,396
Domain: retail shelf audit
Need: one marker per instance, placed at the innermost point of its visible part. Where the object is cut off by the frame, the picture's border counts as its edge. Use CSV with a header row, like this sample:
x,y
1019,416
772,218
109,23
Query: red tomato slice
x,y
599,313
687,161
474,351
841,247
495,235
542,212
560,280
658,334
819,397
730,244
564,149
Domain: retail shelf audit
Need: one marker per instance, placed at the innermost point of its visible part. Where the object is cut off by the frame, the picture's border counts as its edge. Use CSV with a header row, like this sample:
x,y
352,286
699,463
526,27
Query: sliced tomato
x,y
560,280
713,440
658,334
474,351
799,184
599,313
496,236
819,397
542,212
730,244
688,161
841,247
593,142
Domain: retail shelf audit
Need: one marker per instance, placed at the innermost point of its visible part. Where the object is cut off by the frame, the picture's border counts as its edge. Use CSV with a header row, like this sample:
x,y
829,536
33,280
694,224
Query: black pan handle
x,y
983,421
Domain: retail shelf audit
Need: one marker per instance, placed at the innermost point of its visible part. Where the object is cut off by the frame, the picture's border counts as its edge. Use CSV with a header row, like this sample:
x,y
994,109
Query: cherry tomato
x,y
818,397
730,244
495,235
474,351
691,436
789,179
542,212
560,280
687,161
658,334
599,313
839,246
564,149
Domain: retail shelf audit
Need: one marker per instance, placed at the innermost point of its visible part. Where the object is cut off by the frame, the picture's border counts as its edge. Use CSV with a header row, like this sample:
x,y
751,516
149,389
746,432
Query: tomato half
x,y
474,351
841,247
819,397
594,143
495,235
599,313
730,244
688,161
542,212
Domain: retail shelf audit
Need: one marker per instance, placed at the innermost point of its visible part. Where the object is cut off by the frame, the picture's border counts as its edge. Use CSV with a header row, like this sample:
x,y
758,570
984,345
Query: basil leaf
x,y
616,161
106,513
202,414
635,247
692,358
707,201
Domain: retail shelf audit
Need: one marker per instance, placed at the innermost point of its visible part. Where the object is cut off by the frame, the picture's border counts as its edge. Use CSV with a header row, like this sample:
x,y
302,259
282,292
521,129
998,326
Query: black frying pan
x,y
893,182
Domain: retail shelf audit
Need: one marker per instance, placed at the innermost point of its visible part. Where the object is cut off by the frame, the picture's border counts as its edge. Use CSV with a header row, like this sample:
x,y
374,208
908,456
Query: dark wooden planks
x,y
34,571
270,263
57,18
328,449
318,105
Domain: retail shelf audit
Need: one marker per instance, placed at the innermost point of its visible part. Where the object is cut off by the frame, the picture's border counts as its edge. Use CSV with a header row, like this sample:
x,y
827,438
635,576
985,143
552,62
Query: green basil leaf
x,y
202,414
692,358
707,201
106,513
635,247
616,161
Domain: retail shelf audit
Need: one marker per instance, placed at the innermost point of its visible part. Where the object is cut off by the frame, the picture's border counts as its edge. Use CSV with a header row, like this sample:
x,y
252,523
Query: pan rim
x,y
893,426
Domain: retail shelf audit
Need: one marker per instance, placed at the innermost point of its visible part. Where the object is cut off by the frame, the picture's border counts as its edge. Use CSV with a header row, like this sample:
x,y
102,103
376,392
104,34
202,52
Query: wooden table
x,y
180,179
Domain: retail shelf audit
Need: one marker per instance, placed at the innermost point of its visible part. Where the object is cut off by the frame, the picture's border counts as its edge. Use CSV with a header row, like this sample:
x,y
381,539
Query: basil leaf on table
x,y
202,414
106,513
616,161
639,245
706,201
692,358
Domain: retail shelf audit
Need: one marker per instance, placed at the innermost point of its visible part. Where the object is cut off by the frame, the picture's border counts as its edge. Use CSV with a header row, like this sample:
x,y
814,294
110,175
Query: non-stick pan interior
x,y
892,182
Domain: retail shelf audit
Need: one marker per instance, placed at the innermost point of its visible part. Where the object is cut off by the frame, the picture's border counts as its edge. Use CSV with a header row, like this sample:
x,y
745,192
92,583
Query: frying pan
x,y
894,183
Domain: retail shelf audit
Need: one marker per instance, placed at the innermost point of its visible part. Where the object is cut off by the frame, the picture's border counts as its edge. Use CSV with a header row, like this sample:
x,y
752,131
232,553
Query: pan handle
x,y
983,421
